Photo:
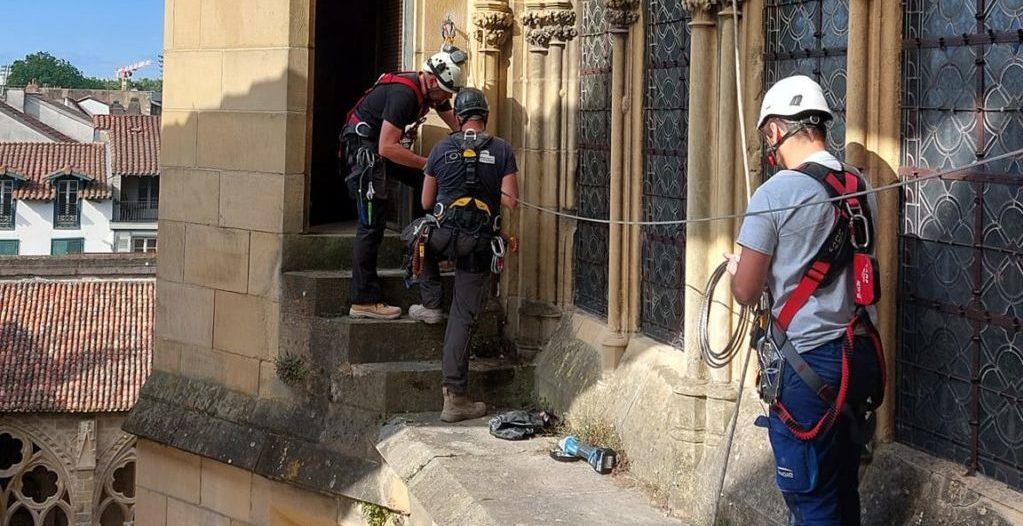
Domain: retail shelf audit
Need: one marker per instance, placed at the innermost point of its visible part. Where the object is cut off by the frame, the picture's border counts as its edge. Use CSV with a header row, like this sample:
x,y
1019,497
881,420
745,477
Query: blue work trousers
x,y
820,478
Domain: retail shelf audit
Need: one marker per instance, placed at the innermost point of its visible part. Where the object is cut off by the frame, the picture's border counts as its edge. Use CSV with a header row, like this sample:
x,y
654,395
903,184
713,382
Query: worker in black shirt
x,y
469,175
377,135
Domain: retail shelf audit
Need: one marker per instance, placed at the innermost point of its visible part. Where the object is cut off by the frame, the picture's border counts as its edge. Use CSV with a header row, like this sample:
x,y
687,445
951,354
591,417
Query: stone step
x,y
327,292
358,341
400,387
334,251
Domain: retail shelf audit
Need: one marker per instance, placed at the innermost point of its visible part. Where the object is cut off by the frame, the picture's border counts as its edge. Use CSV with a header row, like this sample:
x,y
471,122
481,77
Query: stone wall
x,y
652,410
234,158
177,488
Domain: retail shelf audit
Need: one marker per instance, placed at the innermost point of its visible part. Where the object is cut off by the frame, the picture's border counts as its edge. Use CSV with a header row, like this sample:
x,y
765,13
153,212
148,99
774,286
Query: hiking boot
x,y
426,314
458,407
377,311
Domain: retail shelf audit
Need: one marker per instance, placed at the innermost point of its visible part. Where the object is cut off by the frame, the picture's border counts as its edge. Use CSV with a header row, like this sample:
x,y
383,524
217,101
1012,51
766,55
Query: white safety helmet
x,y
792,98
447,66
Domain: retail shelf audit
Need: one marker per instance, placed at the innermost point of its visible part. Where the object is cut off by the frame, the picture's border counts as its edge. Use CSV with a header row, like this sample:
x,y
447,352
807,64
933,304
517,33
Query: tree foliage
x,y
48,70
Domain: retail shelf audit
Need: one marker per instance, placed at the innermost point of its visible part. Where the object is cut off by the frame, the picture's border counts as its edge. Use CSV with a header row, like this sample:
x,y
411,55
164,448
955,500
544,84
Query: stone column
x,y
620,14
728,175
700,169
493,20
547,26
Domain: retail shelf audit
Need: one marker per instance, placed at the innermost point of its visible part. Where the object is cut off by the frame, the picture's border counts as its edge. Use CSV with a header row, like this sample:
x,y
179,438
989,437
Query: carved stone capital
x,y
621,13
694,6
546,27
493,27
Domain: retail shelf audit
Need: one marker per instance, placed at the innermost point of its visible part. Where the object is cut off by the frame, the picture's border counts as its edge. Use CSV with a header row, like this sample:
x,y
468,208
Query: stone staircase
x,y
385,366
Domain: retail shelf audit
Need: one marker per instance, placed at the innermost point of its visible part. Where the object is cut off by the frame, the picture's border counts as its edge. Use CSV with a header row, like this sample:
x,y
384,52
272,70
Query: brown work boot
x,y
377,311
458,407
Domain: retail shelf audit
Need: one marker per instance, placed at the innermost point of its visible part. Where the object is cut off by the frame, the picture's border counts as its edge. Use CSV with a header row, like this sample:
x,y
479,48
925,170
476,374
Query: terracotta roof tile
x,y
33,123
136,142
35,161
74,346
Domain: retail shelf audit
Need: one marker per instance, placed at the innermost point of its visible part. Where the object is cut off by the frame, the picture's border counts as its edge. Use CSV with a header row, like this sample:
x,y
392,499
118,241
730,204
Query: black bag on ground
x,y
520,424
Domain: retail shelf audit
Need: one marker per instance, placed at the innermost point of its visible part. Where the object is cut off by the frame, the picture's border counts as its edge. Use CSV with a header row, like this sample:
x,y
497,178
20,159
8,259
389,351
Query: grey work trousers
x,y
470,294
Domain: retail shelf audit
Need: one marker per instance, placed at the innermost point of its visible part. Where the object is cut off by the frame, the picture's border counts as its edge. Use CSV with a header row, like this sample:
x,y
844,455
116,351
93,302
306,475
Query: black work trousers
x,y
470,295
366,286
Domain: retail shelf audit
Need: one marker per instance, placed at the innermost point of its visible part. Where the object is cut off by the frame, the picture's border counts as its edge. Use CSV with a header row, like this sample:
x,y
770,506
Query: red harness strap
x,y
832,258
388,79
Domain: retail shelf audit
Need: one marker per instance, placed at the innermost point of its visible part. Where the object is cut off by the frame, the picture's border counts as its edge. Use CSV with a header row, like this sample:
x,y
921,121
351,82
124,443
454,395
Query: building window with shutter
x,y
6,204
62,247
67,210
143,244
9,247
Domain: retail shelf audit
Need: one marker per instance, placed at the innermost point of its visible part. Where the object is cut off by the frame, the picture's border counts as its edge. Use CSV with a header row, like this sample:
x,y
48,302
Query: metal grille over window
x,y
33,486
66,211
960,359
666,114
593,144
6,203
810,37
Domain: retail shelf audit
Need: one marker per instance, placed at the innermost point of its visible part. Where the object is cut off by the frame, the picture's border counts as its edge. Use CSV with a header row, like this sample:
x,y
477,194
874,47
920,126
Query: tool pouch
x,y
867,286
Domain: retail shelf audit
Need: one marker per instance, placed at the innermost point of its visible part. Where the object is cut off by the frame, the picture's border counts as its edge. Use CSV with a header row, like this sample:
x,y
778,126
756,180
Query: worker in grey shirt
x,y
818,476
469,175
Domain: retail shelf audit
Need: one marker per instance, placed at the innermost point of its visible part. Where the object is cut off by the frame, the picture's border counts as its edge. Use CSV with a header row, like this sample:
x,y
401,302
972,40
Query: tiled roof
x,y
136,142
35,161
74,346
33,123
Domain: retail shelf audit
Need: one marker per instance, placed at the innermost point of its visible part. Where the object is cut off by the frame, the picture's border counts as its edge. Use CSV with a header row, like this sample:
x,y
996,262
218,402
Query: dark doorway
x,y
355,43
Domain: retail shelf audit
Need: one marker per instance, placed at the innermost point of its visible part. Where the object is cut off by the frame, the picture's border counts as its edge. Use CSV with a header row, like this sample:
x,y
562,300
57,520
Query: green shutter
x,y
60,247
9,247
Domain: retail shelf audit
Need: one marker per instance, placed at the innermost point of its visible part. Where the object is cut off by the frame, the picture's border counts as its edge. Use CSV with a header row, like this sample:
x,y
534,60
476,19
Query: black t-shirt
x,y
394,103
496,160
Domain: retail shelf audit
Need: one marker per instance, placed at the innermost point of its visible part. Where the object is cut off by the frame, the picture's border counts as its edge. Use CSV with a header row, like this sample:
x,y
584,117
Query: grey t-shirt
x,y
793,237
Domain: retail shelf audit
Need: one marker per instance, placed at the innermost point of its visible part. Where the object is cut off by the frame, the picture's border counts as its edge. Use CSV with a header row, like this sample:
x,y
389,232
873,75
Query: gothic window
x,y
960,330
665,153
593,141
810,37
33,485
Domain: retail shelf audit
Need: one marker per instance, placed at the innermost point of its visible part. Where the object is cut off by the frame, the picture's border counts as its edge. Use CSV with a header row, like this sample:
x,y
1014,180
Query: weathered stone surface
x,y
459,474
326,292
275,439
399,387
661,419
334,251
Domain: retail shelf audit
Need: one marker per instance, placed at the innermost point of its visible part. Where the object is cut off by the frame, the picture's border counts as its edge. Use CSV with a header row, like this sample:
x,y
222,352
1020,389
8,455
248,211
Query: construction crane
x,y
124,73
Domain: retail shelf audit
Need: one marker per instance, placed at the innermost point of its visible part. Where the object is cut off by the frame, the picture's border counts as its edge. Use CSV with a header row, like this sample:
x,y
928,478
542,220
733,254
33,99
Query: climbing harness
x,y
849,243
468,228
465,229
359,141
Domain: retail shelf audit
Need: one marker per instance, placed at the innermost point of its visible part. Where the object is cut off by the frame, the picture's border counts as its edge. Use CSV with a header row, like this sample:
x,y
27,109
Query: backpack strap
x,y
401,78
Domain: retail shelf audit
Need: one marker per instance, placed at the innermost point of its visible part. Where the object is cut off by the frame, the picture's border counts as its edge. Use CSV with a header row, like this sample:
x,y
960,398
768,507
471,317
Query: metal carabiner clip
x,y
497,246
859,227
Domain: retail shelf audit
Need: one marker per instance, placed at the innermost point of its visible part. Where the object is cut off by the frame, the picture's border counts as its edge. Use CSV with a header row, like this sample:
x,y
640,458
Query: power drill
x,y
602,459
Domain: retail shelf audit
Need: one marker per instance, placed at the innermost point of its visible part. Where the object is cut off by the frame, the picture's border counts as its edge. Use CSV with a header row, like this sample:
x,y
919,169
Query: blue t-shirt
x,y
496,160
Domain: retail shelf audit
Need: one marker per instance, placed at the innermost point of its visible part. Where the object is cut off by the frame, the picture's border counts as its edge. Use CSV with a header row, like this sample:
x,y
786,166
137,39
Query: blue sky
x,y
96,36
